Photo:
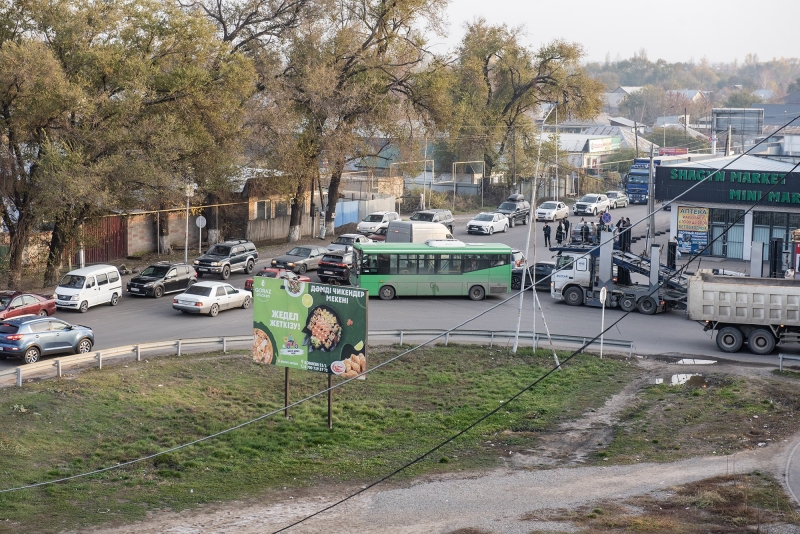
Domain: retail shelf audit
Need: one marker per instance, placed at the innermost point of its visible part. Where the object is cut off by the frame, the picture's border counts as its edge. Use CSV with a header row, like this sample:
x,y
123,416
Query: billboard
x,y
692,229
308,326
673,151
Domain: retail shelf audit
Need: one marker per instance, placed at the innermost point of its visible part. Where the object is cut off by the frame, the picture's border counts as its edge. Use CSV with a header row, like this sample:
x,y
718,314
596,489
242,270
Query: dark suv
x,y
163,277
334,267
517,209
226,258
441,216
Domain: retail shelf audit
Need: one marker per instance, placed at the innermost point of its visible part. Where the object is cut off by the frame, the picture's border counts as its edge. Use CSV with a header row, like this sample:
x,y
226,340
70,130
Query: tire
x,y
199,274
247,303
451,228
729,339
627,304
84,307
647,305
226,272
83,346
594,212
511,222
526,220
302,268
248,268
477,293
214,311
323,280
114,300
42,313
516,282
573,296
505,228
158,292
32,355
761,341
491,230
386,292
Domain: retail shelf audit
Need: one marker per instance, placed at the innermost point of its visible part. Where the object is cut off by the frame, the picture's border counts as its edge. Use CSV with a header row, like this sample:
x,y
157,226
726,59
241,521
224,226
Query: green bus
x,y
431,269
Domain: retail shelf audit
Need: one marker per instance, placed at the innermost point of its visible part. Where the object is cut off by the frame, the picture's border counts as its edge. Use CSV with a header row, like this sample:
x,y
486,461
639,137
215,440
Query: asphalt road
x,y
139,320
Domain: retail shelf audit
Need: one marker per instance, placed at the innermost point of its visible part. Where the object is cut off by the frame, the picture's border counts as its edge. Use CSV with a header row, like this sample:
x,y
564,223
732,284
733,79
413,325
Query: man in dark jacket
x,y
546,231
585,233
567,235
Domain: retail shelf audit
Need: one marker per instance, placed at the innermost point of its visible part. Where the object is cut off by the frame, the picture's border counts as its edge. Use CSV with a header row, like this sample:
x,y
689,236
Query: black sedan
x,y
540,272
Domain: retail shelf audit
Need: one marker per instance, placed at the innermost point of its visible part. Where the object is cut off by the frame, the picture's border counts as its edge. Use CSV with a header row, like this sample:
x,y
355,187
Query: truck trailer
x,y
761,312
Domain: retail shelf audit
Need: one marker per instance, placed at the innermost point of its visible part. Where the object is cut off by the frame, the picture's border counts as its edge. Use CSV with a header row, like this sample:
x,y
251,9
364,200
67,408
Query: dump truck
x,y
761,312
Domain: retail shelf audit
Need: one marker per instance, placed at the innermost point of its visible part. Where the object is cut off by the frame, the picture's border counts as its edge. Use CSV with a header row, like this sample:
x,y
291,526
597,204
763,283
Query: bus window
x,y
407,264
383,264
449,264
427,264
470,263
369,264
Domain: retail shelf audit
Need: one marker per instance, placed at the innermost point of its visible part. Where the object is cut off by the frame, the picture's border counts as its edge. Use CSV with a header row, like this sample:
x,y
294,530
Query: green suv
x,y
228,257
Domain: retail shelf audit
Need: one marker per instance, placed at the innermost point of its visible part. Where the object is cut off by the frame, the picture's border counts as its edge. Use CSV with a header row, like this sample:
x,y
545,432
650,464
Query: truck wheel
x,y
761,341
729,339
477,293
386,293
627,304
647,306
573,296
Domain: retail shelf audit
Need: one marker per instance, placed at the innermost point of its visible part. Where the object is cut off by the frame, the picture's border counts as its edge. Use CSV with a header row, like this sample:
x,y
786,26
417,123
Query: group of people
x,y
589,233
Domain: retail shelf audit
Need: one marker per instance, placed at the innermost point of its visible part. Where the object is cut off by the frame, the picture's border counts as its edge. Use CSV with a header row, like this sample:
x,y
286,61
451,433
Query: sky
x,y
676,30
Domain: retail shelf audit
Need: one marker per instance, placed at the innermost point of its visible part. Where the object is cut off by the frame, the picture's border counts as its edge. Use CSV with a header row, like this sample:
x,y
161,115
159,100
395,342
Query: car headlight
x,y
75,297
196,262
274,262
290,264
149,284
215,264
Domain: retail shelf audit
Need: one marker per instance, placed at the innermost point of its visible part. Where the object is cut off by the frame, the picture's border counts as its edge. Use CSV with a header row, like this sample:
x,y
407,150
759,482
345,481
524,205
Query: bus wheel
x,y
573,296
761,341
386,293
477,293
729,339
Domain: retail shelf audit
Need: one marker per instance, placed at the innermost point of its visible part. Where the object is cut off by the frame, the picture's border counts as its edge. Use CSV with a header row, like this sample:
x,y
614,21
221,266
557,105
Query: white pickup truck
x,y
592,205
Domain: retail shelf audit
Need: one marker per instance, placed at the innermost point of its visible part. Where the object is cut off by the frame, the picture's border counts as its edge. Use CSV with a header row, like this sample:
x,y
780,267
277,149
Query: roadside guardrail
x,y
179,346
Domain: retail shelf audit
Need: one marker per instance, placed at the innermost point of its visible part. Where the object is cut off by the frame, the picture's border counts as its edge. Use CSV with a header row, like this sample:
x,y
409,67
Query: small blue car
x,y
30,336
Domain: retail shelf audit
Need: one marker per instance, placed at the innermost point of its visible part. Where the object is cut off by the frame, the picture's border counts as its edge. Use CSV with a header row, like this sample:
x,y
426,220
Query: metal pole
x,y
651,201
330,402
186,245
557,187
454,186
286,392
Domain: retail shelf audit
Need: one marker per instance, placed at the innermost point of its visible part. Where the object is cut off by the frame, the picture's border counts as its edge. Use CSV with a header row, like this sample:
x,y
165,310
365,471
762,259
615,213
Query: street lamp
x,y
190,188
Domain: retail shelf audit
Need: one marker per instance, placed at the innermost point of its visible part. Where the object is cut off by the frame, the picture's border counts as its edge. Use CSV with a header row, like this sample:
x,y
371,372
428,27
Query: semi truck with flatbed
x,y
759,312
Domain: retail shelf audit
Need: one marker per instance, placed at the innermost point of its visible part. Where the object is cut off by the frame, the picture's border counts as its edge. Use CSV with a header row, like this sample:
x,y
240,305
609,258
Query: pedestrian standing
x,y
584,233
595,232
559,234
567,235
546,231
626,235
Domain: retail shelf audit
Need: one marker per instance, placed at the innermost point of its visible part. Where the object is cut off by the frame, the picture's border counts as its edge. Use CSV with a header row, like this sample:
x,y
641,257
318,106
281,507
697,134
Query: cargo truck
x,y
761,312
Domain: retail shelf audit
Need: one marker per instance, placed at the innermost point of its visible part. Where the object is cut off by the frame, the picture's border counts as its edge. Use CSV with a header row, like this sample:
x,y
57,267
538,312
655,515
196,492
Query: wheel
x,y
526,220
386,292
84,346
729,339
516,282
214,311
628,304
323,279
477,293
491,230
32,355
114,300
158,292
252,265
573,296
761,341
199,275
451,228
647,305
511,222
594,212
247,303
302,268
43,313
505,228
226,272
84,307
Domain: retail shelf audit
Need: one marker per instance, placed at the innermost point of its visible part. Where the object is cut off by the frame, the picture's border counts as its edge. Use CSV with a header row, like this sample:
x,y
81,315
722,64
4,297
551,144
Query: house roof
x,y
576,142
763,94
741,163
691,94
613,100
793,98
627,89
622,121
626,136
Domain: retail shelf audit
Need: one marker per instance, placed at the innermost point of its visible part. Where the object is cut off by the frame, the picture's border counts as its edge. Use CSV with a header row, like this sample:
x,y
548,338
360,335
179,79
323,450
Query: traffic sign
x,y
201,222
606,218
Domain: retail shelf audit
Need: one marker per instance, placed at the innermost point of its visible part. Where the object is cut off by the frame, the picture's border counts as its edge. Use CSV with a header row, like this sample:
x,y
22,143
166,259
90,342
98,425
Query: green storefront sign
x,y
308,326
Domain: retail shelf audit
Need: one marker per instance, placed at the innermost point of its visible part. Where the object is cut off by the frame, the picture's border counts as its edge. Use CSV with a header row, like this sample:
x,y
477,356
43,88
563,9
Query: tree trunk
x,y
333,196
63,231
17,243
163,231
296,217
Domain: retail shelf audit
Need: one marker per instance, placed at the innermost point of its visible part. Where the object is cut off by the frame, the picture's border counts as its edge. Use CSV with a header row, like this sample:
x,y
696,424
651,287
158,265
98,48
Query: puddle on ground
x,y
691,380
691,361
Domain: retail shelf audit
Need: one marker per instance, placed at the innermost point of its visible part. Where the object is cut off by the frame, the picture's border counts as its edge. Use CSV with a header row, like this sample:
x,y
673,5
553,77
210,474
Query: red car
x,y
15,303
271,272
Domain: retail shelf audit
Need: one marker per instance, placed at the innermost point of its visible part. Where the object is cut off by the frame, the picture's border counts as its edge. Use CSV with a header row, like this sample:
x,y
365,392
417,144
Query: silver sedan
x,y
211,298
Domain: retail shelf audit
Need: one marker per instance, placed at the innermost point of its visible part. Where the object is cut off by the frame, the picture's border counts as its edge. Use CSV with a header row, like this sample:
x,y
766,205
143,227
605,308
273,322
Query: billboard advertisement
x,y
692,230
308,326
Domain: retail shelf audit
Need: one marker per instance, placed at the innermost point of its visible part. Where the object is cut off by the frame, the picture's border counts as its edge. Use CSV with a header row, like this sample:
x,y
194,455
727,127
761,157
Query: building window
x,y
730,244
281,209
264,209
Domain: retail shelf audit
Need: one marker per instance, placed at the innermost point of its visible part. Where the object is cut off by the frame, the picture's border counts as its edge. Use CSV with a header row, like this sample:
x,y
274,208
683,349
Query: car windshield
x,y
507,206
381,231
549,206
72,280
484,217
218,250
373,218
299,251
422,217
156,271
203,291
589,198
344,240
612,194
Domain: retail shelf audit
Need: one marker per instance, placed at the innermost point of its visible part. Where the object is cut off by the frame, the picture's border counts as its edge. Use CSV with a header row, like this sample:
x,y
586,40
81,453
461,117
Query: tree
x,y
740,99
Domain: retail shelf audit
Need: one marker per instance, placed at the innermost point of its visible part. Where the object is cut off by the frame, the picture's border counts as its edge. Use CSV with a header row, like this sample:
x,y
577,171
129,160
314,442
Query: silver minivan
x,y
83,288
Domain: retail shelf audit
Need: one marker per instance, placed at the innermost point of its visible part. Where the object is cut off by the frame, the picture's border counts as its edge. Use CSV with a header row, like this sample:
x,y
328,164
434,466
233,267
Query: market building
x,y
717,192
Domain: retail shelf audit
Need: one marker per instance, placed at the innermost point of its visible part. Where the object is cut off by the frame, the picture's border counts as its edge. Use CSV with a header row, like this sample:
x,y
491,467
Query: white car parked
x,y
346,241
592,205
552,211
373,221
211,298
487,223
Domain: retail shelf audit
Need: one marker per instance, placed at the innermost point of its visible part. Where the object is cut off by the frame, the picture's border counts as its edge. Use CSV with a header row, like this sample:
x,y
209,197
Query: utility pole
x,y
557,141
651,202
636,136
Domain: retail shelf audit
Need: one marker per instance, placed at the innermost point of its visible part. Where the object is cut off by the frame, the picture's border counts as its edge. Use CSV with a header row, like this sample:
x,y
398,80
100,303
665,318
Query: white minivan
x,y
83,288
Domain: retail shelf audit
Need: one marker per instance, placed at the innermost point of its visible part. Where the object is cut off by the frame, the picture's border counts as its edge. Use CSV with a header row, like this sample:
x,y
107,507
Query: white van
x,y
416,232
83,288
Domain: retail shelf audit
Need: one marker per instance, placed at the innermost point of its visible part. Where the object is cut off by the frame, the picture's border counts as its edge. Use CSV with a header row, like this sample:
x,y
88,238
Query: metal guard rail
x,y
195,344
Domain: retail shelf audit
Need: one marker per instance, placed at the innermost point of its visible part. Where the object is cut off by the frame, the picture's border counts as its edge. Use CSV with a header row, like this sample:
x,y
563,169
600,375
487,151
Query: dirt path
x,y
503,500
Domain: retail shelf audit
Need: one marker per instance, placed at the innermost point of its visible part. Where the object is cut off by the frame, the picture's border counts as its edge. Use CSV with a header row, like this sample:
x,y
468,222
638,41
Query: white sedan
x,y
211,298
552,211
487,223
